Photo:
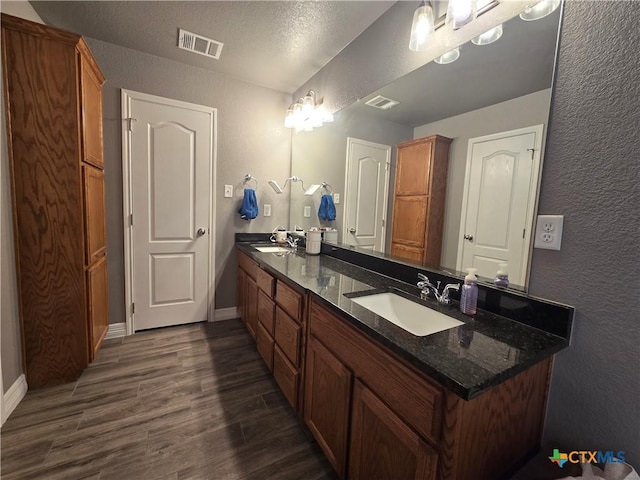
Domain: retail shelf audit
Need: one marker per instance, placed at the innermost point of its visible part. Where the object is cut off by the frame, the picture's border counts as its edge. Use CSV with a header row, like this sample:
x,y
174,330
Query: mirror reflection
x,y
441,167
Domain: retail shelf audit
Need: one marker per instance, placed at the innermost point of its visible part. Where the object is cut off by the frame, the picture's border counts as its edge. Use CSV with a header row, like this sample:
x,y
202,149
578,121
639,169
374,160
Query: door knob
x,y
352,230
201,232
468,237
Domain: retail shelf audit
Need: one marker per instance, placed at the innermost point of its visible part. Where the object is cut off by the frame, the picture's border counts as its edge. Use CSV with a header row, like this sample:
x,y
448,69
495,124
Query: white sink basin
x,y
274,249
410,316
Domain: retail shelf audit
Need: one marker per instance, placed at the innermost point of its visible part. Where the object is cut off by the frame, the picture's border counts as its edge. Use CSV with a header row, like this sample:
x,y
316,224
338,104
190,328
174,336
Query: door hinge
x,y
524,231
131,219
383,222
130,121
133,308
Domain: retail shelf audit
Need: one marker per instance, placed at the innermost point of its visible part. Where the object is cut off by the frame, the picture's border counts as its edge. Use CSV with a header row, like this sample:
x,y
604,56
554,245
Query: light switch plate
x,y
336,198
228,191
266,211
307,211
549,232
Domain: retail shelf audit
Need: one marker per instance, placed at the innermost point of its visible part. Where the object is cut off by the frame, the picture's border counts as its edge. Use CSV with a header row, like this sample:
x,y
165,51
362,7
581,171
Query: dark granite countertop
x,y
469,359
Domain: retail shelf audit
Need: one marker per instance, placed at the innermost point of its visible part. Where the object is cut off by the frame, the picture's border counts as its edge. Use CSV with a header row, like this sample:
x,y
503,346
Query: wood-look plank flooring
x,y
187,402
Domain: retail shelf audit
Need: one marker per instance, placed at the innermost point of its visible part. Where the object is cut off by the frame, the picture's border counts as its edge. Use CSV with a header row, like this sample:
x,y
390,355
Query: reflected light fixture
x,y
539,10
489,36
306,114
308,191
449,57
460,13
422,28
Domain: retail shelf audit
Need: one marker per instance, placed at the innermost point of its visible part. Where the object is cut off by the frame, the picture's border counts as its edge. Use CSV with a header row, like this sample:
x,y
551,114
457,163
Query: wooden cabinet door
x,y
91,115
94,213
408,253
326,402
414,167
382,445
241,284
97,304
409,220
251,306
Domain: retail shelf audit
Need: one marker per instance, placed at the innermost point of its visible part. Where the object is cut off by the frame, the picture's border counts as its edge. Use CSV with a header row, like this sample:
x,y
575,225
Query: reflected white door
x,y
171,157
366,191
500,194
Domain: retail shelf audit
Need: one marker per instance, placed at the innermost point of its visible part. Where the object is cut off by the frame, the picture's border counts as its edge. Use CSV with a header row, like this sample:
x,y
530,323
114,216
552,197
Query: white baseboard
x,y
14,396
116,330
225,314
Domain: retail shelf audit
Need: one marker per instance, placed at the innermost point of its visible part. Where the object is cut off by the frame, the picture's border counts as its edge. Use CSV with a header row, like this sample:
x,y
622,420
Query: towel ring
x,y
327,188
247,178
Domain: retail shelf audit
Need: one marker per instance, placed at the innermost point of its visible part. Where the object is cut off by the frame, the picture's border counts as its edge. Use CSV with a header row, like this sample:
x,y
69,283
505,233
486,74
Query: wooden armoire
x,y
53,99
419,199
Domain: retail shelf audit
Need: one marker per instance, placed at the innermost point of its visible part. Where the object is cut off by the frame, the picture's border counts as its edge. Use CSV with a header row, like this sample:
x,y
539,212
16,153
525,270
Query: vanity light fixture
x,y
422,28
489,36
449,57
460,13
306,114
539,10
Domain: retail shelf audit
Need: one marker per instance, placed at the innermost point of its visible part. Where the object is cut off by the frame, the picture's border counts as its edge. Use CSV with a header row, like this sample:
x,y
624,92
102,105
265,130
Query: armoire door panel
x,y
98,304
409,219
94,213
91,115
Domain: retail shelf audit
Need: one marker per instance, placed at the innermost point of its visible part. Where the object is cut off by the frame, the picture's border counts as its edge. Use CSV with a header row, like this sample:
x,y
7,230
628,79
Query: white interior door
x,y
366,191
171,152
501,186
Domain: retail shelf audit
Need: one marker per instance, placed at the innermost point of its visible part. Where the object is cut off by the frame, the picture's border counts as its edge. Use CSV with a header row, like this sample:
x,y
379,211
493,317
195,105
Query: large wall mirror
x,y
491,92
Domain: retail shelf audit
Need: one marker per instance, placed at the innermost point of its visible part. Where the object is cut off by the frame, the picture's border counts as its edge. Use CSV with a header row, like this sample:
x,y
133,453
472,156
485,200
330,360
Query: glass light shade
x,y
461,12
489,36
422,28
308,104
449,57
289,121
539,10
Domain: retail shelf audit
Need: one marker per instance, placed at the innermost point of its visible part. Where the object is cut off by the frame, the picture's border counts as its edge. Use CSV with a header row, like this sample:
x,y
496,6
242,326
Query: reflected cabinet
x,y
53,97
419,199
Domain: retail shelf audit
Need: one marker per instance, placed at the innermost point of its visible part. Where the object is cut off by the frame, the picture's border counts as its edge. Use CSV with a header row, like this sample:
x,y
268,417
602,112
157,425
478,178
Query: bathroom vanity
x,y
467,402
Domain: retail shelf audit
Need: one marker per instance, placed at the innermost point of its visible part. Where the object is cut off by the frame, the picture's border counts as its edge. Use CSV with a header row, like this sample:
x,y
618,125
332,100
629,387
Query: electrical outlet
x,y
228,191
336,198
549,232
266,210
307,211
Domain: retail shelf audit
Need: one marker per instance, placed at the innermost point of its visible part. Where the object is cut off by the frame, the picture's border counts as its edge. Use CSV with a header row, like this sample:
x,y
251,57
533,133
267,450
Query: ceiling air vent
x,y
198,44
383,103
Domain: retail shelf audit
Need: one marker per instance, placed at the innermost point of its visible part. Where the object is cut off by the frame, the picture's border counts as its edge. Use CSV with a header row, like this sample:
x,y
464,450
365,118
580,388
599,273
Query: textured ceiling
x,y
277,44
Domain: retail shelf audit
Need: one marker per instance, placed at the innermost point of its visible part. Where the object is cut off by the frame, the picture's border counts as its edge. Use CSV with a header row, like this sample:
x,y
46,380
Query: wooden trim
x,y
47,32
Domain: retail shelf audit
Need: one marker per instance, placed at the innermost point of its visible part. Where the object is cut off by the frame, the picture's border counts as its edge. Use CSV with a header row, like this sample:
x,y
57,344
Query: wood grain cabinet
x,y
419,199
53,89
375,416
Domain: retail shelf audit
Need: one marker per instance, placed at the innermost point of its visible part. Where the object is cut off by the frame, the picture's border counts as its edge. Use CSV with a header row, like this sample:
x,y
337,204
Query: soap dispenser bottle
x,y
469,296
502,277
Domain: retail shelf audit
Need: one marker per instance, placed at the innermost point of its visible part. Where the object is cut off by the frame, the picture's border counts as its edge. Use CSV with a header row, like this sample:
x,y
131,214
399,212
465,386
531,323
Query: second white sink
x,y
410,316
274,249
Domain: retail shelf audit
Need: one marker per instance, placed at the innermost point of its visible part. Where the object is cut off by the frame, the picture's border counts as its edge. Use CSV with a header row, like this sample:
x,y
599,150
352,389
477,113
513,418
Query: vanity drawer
x,y
287,336
265,343
246,263
266,311
289,300
266,282
287,376
414,399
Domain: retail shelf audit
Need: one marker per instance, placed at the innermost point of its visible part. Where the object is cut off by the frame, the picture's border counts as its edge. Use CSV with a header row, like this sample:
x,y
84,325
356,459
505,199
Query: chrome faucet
x,y
429,289
292,242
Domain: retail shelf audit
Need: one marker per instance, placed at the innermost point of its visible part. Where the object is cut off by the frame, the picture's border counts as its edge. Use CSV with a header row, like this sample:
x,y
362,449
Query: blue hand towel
x,y
327,210
249,208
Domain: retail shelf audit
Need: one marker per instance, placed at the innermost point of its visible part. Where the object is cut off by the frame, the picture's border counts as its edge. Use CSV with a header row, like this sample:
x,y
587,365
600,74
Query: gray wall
x,y
251,139
591,176
532,109
321,156
10,348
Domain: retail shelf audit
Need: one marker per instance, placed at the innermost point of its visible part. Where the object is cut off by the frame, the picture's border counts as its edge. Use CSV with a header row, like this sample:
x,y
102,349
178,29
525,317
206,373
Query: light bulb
x,y
489,36
422,28
449,57
461,12
539,10
308,104
289,120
